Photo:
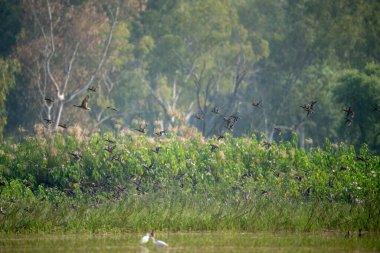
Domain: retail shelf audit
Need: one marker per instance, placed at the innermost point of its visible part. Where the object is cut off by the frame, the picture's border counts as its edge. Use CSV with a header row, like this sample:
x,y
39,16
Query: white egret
x,y
145,238
159,243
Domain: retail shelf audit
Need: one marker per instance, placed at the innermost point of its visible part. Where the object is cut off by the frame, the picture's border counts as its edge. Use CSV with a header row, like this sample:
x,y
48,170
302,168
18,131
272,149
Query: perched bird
x,y
258,104
278,130
349,111
309,108
84,104
93,89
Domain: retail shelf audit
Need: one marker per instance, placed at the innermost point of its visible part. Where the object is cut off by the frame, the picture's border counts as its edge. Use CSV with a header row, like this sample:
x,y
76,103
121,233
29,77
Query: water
x,y
193,242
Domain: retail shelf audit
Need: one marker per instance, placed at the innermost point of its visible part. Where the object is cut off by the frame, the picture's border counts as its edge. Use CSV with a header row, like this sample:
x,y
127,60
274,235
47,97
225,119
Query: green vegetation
x,y
242,185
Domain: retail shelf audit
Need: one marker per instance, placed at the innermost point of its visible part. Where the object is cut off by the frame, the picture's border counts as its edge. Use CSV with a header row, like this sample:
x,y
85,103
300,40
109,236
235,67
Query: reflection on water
x,y
193,242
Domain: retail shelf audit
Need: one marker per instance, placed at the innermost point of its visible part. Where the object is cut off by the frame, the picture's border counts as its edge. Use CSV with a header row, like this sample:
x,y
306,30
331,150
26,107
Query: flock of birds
x,y
229,123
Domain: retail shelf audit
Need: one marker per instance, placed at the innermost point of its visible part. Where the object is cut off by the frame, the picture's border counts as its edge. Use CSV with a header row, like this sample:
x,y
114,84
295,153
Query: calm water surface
x,y
193,242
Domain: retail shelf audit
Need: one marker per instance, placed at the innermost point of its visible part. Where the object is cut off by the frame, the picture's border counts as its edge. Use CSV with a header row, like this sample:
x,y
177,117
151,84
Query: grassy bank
x,y
72,183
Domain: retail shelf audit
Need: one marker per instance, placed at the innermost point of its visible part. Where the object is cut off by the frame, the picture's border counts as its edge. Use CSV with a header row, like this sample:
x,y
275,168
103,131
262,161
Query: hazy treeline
x,y
164,61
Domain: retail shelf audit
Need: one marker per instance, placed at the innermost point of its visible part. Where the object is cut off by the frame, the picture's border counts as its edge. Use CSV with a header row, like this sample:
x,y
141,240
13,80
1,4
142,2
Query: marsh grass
x,y
186,187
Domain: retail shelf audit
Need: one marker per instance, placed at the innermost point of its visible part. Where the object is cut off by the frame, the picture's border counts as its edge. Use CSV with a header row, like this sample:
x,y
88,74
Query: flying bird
x,y
64,126
142,128
93,89
84,104
76,155
309,108
112,108
49,121
49,100
349,112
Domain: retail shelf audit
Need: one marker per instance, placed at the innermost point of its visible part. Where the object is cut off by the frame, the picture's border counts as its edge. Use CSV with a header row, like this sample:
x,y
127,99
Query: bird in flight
x,y
142,128
49,100
64,126
309,108
93,89
84,104
349,112
112,108
48,121
76,155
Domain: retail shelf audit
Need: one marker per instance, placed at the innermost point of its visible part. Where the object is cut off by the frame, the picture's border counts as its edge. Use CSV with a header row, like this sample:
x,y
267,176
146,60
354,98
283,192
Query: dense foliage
x,y
69,182
167,60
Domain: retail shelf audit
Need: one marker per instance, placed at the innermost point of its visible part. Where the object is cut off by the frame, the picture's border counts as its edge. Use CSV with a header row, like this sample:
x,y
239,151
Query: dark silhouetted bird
x,y
278,130
142,128
112,108
76,155
93,89
309,108
84,104
267,144
349,112
64,126
49,100
49,121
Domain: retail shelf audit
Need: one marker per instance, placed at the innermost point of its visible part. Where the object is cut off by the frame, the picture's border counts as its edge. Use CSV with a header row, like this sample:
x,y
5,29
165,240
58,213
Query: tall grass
x,y
186,186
